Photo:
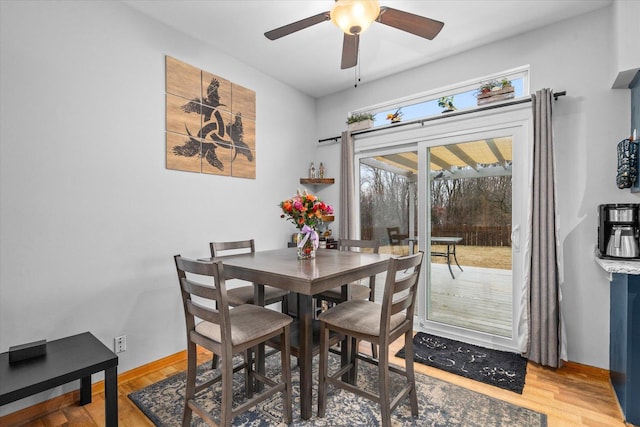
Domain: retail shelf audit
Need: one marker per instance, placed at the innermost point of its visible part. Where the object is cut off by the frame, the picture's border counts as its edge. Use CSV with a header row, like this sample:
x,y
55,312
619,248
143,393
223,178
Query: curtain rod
x,y
556,95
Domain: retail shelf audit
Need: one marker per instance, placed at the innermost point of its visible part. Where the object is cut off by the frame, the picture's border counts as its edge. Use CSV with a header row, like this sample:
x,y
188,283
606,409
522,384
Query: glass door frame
x,y
511,120
361,154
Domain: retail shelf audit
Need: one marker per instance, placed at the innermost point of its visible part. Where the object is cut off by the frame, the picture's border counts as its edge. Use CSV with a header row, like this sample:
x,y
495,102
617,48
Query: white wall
x,y
90,217
588,123
626,15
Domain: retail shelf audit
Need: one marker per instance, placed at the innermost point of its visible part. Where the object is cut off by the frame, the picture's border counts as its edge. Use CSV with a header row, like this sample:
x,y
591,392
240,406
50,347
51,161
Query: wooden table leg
x,y
111,396
345,345
305,310
258,299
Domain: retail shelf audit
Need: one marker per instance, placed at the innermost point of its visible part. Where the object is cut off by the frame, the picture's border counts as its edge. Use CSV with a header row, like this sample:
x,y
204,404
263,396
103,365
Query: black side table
x,y
67,359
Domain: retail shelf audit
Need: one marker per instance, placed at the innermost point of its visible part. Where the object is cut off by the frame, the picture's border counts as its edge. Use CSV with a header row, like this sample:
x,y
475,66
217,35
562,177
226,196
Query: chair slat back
x,y
358,245
393,233
199,289
219,249
203,312
217,292
401,289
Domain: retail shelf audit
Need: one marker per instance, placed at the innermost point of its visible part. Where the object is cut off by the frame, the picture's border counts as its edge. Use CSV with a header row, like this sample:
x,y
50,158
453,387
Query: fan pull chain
x,y
356,69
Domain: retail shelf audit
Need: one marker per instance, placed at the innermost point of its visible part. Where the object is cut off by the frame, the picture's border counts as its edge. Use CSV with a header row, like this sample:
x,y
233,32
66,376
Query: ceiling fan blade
x,y
414,24
350,51
297,26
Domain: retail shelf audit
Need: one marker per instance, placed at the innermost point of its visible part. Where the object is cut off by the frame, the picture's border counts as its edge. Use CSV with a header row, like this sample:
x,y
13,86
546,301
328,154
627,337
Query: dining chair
x,y
395,238
356,290
382,324
245,294
226,332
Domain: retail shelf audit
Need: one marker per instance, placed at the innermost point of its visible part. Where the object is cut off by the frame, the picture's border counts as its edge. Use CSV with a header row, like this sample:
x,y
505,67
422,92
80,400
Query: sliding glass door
x,y
388,202
457,190
470,203
473,211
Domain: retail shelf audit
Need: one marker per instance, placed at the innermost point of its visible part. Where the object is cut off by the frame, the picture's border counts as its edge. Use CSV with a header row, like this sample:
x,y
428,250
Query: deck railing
x,y
477,235
471,235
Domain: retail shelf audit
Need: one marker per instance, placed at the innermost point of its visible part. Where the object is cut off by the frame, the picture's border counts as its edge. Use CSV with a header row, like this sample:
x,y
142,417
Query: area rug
x,y
440,403
499,368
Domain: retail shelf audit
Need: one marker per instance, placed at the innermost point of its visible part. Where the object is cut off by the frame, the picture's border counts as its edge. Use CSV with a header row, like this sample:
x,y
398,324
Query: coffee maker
x,y
618,231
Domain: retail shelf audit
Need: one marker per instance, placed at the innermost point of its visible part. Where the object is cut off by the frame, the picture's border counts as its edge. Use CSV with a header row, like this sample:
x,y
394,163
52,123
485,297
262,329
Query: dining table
x,y
282,269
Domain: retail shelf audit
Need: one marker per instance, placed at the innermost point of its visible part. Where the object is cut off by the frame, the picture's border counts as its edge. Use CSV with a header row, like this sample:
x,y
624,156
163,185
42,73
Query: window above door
x,y
461,96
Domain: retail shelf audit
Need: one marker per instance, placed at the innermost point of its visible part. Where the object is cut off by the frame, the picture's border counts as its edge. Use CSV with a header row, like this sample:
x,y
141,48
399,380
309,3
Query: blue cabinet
x,y
624,344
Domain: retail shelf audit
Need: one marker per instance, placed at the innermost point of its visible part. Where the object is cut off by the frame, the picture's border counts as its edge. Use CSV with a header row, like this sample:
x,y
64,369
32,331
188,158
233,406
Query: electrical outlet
x,y
120,343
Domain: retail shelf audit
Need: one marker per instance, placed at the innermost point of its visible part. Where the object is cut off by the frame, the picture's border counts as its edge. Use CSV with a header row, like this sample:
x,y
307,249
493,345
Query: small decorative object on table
x,y
305,211
27,351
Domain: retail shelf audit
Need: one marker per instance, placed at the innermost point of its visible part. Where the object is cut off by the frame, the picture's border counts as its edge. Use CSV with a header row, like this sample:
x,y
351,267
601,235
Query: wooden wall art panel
x,y
179,121
244,101
189,157
243,132
210,123
215,89
182,79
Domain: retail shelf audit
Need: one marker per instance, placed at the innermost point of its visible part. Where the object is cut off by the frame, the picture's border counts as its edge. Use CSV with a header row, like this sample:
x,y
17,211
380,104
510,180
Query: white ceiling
x,y
309,60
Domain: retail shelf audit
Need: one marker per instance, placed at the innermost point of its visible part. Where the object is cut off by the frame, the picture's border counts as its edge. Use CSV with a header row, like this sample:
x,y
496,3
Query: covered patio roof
x,y
481,158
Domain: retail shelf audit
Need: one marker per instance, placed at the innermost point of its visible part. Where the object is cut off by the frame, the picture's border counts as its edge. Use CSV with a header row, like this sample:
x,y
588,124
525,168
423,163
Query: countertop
x,y
627,266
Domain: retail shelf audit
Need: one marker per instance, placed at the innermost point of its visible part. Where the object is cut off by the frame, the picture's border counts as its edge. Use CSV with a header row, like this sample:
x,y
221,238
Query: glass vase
x,y
306,249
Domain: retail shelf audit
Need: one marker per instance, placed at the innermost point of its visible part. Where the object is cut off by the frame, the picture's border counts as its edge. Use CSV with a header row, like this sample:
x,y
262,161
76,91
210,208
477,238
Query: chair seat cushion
x,y
357,292
361,316
244,295
248,322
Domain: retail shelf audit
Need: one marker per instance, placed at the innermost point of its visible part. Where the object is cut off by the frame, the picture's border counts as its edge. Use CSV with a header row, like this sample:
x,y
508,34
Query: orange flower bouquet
x,y
305,211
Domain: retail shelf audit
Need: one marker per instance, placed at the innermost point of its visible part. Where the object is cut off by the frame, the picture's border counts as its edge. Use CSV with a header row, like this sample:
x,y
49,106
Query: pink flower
x,y
305,209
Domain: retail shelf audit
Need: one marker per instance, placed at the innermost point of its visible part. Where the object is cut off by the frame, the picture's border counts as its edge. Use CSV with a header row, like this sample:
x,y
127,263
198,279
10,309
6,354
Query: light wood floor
x,y
574,395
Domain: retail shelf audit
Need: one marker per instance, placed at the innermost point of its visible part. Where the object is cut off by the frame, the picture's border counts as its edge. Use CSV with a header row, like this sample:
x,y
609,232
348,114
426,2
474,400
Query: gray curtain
x,y
347,190
544,288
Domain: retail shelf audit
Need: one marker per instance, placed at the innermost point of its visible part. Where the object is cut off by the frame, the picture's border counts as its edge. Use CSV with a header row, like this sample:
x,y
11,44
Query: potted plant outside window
x,y
446,102
360,121
494,90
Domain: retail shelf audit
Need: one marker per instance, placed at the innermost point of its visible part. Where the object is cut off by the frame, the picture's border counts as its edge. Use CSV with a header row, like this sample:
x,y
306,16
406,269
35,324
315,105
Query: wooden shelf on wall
x,y
317,181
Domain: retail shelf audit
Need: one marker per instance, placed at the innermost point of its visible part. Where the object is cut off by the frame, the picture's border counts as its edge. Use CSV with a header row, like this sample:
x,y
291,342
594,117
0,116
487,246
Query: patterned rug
x,y
440,403
499,368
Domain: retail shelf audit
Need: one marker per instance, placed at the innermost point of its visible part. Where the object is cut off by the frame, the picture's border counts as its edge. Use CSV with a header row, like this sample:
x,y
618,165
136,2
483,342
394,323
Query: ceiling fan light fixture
x,y
354,16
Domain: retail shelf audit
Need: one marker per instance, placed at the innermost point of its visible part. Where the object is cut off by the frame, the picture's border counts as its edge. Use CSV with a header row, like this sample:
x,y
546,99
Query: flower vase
x,y
306,245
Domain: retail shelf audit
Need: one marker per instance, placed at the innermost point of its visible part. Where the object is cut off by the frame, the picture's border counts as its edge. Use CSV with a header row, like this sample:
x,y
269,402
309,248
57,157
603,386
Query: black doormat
x,y
499,368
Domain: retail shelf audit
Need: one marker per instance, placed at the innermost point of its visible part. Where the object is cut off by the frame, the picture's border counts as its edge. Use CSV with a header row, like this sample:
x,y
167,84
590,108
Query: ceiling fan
x,y
354,16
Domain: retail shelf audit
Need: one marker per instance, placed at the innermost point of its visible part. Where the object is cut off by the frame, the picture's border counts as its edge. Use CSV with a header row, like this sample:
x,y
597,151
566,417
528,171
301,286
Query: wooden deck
x,y
478,298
